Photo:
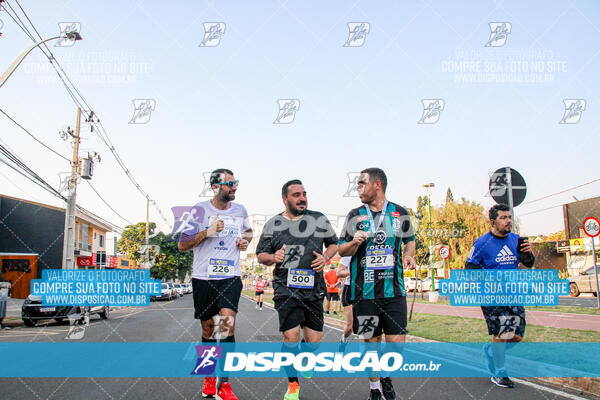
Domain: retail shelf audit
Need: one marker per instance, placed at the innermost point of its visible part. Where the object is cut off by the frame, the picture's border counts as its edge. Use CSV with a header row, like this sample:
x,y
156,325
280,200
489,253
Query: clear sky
x,y
359,105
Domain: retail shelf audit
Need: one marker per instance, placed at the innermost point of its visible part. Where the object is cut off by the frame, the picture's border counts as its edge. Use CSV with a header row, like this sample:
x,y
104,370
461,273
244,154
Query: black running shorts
x,y
505,320
210,296
294,311
376,316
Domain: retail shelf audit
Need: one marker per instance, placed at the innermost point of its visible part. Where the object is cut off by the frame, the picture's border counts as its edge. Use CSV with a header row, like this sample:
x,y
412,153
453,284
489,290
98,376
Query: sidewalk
x,y
13,313
544,318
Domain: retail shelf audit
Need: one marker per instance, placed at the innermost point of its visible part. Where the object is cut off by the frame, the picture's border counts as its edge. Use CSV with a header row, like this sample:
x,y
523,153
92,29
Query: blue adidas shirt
x,y
492,252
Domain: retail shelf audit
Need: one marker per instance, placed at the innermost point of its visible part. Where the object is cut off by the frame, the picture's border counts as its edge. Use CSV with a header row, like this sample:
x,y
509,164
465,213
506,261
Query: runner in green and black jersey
x,y
373,235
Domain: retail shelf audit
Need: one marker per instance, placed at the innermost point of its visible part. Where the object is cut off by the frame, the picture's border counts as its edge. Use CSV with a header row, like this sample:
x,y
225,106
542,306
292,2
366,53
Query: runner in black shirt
x,y
294,242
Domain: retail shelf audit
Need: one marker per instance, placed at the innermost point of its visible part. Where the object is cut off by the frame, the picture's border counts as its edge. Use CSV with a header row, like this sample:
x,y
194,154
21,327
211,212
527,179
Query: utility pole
x,y
147,219
429,189
68,259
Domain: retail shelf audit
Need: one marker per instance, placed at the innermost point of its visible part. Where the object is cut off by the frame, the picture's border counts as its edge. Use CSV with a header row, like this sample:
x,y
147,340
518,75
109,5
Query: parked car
x,y
166,293
179,288
33,311
174,293
585,282
411,283
187,288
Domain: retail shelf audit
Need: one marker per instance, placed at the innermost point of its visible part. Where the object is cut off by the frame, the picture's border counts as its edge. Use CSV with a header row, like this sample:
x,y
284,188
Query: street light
x,y
429,189
67,35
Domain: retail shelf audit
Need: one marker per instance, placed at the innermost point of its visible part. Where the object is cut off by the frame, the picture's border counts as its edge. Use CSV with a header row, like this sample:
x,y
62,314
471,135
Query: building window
x,y
101,258
101,241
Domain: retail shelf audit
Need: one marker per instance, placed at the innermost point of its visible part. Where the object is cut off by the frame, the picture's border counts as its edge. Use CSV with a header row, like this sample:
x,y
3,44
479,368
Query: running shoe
x,y
388,389
225,393
504,381
293,391
375,395
209,388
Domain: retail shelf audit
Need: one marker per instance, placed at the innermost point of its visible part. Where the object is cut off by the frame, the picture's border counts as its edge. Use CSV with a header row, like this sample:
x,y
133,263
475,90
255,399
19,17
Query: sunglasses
x,y
231,184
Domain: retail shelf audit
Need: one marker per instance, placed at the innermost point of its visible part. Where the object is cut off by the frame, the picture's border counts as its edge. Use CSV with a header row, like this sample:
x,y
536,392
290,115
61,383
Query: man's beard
x,y
295,211
368,199
226,196
506,230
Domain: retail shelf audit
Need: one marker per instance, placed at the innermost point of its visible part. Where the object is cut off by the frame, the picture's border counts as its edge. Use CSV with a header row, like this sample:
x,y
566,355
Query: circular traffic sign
x,y
591,226
499,186
444,252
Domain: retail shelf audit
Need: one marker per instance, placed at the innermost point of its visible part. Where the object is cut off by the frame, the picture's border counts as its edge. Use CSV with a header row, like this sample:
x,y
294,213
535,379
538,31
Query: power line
x,y
20,23
108,205
20,167
101,131
28,172
562,191
33,137
43,144
537,211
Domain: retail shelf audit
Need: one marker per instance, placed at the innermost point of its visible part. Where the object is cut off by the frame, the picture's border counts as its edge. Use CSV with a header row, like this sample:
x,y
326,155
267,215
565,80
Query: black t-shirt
x,y
312,232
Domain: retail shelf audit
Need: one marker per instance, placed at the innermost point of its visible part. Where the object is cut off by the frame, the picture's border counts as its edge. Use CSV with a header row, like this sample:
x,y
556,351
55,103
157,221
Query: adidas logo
x,y
505,255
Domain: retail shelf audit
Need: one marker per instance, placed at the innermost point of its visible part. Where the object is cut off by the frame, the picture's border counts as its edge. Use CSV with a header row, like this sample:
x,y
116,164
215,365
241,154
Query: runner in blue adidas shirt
x,y
498,249
373,235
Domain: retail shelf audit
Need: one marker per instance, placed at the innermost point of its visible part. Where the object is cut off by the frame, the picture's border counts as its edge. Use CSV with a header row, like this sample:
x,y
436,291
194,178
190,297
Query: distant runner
x,y
260,292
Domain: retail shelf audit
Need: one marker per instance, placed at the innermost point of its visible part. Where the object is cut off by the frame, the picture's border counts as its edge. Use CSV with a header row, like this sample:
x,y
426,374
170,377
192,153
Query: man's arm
x,y
243,241
342,271
190,242
349,248
270,259
409,254
216,226
248,235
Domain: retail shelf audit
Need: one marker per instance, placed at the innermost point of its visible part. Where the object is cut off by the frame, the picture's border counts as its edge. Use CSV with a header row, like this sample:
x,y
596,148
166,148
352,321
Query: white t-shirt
x,y
218,257
345,261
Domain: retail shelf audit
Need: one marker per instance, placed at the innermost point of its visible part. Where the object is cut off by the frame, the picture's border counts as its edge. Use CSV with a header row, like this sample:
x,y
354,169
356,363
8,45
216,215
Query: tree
x,y
455,224
171,263
168,262
133,238
449,196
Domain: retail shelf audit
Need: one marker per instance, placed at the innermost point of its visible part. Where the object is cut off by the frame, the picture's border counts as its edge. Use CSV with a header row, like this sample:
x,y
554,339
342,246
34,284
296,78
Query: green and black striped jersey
x,y
376,267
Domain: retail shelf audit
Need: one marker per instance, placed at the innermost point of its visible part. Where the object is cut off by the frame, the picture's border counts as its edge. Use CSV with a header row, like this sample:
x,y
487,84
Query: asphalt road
x,y
173,322
581,301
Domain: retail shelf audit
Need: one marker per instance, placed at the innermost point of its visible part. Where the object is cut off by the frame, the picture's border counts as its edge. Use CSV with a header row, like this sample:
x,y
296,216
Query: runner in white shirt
x,y
223,230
